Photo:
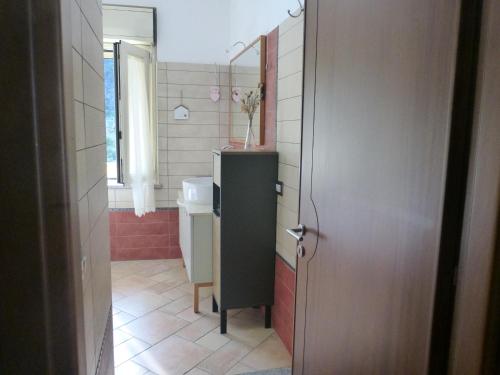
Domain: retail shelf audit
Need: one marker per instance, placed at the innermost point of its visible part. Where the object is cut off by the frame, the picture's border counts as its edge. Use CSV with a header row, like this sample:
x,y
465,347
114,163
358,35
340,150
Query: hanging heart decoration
x,y
235,94
215,93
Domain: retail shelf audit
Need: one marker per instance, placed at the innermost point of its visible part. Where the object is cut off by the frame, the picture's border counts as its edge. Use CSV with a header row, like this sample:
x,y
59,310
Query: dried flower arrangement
x,y
251,101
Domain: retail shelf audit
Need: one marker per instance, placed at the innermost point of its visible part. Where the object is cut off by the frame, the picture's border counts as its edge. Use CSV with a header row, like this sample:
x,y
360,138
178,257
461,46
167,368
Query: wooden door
x,y
378,92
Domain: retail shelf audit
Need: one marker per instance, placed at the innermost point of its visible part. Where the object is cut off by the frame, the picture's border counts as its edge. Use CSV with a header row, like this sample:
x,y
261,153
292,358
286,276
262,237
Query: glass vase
x,y
250,138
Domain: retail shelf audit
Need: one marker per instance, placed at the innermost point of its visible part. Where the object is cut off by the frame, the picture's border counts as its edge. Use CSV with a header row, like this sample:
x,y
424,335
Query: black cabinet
x,y
244,230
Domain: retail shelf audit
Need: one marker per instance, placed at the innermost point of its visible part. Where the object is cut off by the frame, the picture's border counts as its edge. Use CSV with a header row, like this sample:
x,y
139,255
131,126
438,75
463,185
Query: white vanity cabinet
x,y
195,237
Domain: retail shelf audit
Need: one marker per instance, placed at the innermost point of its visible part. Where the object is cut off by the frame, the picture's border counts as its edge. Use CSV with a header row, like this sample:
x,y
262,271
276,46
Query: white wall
x,y
189,31
249,19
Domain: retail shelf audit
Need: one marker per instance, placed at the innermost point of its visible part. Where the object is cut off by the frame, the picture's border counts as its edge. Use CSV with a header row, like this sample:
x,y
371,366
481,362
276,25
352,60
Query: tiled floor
x,y
157,332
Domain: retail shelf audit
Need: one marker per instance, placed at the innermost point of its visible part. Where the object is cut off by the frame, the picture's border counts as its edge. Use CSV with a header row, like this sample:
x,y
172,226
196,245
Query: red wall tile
x,y
284,302
153,236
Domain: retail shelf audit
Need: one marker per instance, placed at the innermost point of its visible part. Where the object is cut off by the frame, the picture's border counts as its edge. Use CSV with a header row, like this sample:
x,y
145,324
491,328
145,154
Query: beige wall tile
x,y
192,144
289,153
289,131
196,118
98,200
193,131
83,219
190,78
96,164
76,23
291,38
194,169
195,105
101,275
289,199
290,63
93,14
286,217
289,109
190,67
162,104
92,87
77,76
289,23
88,318
290,175
161,76
81,173
190,156
288,254
79,125
92,49
123,195
290,86
95,131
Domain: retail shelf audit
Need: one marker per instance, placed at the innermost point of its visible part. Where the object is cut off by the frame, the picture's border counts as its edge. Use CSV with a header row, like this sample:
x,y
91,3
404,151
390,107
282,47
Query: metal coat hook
x,y
301,10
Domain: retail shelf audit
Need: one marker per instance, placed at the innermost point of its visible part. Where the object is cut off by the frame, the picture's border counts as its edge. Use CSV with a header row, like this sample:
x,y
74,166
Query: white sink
x,y
198,190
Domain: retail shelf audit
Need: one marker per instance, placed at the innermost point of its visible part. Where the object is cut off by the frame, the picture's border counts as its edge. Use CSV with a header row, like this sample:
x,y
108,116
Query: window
x,y
129,32
110,101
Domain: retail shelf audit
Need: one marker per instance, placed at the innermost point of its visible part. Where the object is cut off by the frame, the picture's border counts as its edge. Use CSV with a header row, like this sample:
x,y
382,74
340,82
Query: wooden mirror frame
x,y
263,60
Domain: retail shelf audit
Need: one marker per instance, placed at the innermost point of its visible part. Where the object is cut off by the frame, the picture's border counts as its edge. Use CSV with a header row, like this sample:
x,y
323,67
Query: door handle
x,y
297,233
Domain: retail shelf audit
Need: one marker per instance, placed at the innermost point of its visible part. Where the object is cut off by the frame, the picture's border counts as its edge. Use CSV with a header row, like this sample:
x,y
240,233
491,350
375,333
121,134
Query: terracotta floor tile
x,y
172,356
122,318
213,341
157,303
240,369
132,284
189,314
197,371
128,349
116,296
270,354
142,303
248,332
174,293
130,368
178,305
120,336
154,327
225,358
199,328
164,286
170,275
154,270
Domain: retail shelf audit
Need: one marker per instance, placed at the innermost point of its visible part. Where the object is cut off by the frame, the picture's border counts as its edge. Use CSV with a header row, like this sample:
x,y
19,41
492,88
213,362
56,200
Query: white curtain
x,y
140,138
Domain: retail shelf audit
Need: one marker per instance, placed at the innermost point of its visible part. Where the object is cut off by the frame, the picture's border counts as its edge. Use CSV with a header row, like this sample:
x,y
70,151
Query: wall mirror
x,y
247,71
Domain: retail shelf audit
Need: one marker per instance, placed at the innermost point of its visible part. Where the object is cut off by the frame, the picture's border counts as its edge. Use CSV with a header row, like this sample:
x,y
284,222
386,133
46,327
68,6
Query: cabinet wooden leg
x,y
268,317
223,322
215,308
196,302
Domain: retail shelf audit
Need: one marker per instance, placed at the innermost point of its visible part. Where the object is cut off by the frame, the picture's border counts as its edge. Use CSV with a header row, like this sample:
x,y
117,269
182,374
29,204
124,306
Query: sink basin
x,y
198,190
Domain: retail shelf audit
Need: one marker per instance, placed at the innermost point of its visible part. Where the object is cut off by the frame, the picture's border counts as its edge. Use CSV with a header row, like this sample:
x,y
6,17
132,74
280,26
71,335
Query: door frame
x,y
475,342
42,305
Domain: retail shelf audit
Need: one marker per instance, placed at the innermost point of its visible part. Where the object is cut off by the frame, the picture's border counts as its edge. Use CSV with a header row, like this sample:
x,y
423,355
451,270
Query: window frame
x,y
121,137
